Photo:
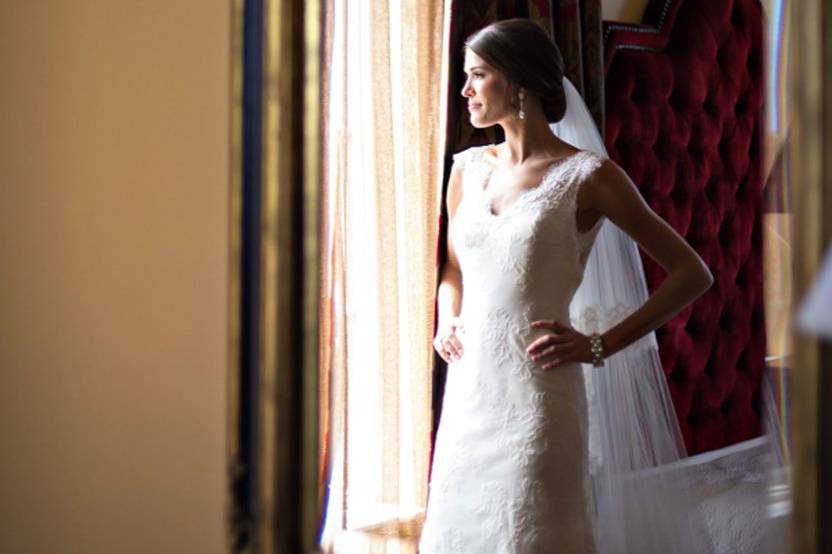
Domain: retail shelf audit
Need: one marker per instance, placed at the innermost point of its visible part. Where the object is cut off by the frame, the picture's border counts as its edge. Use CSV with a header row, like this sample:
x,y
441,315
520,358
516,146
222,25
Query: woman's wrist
x,y
608,341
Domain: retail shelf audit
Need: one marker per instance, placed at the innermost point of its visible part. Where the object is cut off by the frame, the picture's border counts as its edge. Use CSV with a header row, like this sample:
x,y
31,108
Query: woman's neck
x,y
534,141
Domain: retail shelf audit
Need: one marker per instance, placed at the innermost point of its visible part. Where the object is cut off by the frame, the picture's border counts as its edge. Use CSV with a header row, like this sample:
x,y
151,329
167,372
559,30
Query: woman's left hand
x,y
564,344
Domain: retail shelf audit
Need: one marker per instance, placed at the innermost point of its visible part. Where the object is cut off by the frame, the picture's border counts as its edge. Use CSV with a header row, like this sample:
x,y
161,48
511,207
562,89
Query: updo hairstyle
x,y
522,51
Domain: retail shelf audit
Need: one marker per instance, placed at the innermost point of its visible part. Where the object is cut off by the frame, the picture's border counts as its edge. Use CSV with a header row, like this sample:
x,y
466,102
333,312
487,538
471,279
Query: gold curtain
x,y
382,84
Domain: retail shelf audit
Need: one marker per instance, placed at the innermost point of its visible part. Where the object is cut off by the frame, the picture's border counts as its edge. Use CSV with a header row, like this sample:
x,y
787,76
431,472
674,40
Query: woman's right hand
x,y
448,341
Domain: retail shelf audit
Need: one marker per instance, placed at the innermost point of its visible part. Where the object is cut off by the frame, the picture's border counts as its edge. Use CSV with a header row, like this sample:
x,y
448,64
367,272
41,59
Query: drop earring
x,y
521,114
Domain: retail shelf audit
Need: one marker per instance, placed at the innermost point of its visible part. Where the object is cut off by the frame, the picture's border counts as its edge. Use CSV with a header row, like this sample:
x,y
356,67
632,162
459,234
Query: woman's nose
x,y
466,88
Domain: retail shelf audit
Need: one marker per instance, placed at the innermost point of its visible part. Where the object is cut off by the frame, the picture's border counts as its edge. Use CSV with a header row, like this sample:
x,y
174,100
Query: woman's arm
x,y
449,293
610,191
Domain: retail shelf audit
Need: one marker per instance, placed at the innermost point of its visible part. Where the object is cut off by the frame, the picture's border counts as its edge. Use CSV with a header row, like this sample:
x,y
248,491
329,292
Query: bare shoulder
x,y
453,193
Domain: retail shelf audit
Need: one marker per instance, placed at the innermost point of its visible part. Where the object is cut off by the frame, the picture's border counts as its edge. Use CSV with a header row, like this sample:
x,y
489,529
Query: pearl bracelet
x,y
597,349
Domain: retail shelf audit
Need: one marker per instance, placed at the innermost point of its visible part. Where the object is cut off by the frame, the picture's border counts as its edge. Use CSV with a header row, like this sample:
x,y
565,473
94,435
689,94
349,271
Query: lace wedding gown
x,y
511,463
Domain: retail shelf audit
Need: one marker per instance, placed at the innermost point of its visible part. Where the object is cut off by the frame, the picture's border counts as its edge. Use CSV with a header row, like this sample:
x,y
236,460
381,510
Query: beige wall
x,y
113,272
623,10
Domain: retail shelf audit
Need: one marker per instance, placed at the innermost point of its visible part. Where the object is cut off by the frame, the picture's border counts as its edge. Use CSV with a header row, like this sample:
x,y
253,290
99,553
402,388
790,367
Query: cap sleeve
x,y
460,158
468,156
593,162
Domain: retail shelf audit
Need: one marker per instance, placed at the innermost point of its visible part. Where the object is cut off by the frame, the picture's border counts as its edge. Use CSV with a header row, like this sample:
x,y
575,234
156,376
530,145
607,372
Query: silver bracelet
x,y
597,348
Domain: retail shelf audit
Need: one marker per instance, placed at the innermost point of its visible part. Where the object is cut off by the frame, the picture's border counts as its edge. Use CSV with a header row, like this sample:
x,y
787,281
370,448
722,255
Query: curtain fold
x,y
578,34
381,191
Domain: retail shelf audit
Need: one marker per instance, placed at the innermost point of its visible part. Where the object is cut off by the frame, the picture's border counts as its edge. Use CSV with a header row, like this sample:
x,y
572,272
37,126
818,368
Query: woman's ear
x,y
517,92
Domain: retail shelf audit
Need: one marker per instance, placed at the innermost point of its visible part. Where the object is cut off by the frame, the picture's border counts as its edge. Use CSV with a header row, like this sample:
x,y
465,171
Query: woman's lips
x,y
474,107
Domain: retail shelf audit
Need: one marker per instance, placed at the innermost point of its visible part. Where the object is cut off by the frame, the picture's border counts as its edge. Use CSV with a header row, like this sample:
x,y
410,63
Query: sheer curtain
x,y
382,192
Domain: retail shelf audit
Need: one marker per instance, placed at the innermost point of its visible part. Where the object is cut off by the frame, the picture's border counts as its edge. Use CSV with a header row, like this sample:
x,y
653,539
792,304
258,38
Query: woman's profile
x,y
529,457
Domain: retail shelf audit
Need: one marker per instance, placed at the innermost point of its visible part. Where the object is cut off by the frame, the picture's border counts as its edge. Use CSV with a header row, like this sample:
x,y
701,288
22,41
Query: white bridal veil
x,y
633,430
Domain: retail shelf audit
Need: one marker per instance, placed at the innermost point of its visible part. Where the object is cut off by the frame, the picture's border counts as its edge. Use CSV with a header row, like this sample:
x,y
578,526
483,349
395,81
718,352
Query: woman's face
x,y
486,91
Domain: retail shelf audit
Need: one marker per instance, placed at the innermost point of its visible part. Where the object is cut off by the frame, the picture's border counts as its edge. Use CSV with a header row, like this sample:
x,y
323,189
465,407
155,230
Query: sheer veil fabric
x,y
633,430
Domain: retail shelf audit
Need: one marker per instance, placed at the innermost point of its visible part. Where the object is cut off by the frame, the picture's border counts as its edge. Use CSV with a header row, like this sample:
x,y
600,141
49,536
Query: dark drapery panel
x,y
578,33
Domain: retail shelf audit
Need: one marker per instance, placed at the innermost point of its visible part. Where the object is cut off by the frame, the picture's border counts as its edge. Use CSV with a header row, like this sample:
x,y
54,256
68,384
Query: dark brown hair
x,y
522,51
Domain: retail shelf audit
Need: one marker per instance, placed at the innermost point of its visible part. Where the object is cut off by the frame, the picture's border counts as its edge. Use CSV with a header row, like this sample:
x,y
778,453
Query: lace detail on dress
x,y
513,251
460,158
499,326
451,540
505,237
594,320
501,331
545,192
524,368
512,518
580,172
512,459
453,483
477,236
530,419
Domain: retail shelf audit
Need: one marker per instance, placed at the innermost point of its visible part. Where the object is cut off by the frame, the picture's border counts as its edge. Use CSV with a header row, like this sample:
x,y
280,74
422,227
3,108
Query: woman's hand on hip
x,y
448,341
562,345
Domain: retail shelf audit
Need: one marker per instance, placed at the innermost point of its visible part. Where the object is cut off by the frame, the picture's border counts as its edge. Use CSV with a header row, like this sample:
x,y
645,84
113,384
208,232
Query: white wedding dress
x,y
511,464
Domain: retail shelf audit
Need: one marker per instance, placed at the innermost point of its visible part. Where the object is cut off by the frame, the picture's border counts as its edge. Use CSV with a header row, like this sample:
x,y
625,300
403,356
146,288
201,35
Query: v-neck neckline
x,y
489,199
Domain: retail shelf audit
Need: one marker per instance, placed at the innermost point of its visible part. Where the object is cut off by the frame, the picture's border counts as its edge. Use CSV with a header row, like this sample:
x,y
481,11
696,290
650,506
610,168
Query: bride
x,y
556,413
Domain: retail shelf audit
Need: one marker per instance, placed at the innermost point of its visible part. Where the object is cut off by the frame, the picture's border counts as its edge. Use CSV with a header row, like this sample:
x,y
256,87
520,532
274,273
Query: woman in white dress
x,y
513,455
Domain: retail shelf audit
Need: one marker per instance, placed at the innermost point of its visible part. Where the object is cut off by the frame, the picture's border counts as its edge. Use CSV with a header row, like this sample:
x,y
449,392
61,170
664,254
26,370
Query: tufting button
x,y
741,279
736,17
724,233
741,107
709,106
692,418
711,189
692,327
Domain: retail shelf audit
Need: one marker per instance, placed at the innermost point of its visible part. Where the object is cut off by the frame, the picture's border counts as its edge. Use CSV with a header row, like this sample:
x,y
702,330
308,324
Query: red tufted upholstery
x,y
684,119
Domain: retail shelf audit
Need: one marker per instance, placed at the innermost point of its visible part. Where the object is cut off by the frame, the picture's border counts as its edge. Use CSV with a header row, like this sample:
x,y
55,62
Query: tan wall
x,y
623,10
113,270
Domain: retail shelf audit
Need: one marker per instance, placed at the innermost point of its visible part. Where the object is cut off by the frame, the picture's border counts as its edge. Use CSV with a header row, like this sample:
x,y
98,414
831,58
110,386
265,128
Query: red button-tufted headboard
x,y
684,119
